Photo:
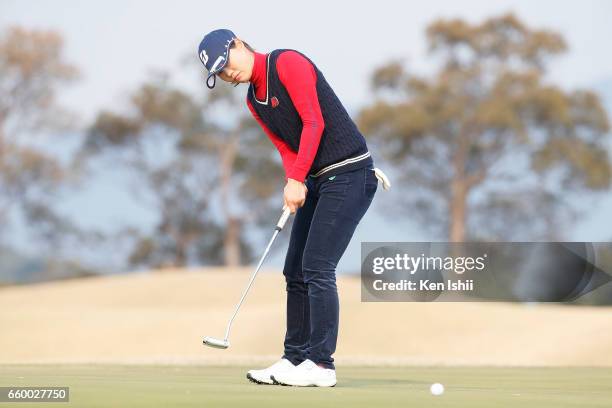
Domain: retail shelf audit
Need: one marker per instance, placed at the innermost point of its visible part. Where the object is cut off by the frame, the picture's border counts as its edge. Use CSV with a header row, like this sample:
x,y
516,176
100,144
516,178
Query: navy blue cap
x,y
214,52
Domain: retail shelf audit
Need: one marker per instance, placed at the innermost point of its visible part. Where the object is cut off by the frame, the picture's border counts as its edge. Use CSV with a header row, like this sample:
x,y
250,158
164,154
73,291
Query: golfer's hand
x,y
295,194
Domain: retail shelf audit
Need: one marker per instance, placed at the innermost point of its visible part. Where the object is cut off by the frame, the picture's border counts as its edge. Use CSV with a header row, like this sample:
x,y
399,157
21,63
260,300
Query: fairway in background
x,y
161,317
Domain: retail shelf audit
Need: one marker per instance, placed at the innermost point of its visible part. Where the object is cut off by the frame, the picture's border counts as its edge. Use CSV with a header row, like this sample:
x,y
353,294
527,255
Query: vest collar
x,y
261,67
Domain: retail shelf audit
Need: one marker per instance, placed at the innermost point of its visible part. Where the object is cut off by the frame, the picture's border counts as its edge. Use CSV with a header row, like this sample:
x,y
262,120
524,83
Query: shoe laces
x,y
307,365
281,362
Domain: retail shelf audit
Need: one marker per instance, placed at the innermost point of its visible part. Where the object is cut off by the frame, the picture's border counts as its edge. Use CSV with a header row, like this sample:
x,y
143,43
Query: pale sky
x,y
116,44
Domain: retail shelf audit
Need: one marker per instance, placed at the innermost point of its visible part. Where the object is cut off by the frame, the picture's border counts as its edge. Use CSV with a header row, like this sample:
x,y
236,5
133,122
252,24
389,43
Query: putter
x,y
223,344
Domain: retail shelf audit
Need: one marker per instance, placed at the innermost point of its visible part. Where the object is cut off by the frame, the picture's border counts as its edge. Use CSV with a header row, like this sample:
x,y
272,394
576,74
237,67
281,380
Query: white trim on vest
x,y
267,83
342,163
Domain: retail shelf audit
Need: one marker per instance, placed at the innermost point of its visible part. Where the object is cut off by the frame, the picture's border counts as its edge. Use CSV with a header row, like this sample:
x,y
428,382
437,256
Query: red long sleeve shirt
x,y
298,76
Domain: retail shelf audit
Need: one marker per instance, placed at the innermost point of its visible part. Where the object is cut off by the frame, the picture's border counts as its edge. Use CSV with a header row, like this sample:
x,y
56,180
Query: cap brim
x,y
217,70
220,68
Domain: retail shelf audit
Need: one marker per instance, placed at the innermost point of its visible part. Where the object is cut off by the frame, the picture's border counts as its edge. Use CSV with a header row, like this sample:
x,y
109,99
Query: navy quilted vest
x,y
342,147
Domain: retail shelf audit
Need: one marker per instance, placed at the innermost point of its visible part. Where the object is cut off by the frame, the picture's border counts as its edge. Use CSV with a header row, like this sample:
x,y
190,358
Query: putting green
x,y
194,386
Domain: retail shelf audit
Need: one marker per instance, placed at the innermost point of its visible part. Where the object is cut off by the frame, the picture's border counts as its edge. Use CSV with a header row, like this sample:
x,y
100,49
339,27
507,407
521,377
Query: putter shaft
x,y
212,342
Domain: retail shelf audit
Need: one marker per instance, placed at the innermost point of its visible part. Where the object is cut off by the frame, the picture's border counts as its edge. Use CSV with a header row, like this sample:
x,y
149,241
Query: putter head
x,y
216,343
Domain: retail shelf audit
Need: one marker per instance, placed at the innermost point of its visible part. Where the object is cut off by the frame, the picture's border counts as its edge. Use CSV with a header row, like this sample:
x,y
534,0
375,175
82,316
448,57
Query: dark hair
x,y
246,44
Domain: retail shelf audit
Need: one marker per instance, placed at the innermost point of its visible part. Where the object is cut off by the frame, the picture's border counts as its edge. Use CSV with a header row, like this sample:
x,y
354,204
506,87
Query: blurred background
x,y
492,120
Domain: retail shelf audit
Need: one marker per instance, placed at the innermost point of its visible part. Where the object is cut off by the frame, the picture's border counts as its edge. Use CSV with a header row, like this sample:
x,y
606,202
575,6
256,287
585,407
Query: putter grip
x,y
283,218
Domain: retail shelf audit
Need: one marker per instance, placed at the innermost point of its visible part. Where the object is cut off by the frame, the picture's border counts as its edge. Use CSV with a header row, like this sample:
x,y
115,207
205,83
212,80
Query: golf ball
x,y
437,389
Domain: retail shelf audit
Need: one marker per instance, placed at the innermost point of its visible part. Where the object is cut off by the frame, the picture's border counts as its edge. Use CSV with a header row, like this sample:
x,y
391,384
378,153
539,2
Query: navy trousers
x,y
322,229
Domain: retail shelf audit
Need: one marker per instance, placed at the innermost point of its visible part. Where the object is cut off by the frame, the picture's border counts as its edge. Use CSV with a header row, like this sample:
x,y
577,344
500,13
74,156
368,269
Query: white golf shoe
x,y
263,376
306,374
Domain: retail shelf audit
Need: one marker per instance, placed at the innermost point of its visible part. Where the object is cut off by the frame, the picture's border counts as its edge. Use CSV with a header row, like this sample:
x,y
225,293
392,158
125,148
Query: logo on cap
x,y
274,101
204,57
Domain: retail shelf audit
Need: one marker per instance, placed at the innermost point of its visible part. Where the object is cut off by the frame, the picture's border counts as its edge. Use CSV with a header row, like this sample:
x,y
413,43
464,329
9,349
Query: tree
x,y
198,179
249,174
490,148
32,70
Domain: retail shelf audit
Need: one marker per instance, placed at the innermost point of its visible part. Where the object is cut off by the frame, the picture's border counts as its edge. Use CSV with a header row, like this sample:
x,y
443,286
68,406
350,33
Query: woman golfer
x,y
330,179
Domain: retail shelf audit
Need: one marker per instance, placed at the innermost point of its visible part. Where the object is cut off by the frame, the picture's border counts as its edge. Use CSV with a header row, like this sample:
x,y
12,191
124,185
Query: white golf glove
x,y
382,177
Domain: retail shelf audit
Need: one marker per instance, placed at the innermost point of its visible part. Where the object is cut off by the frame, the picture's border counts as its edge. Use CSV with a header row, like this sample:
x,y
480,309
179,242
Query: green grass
x,y
227,387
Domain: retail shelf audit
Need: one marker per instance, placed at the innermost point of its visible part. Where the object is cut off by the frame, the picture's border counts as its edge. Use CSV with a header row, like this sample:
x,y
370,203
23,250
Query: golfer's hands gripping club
x,y
294,195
